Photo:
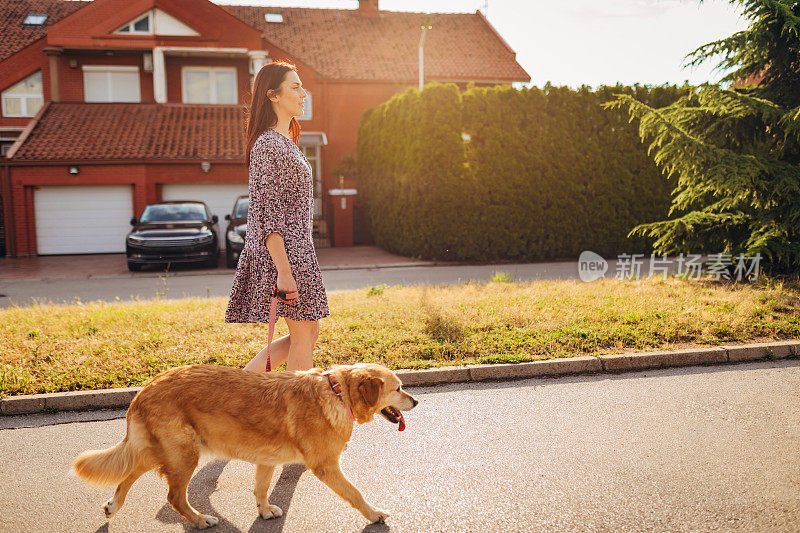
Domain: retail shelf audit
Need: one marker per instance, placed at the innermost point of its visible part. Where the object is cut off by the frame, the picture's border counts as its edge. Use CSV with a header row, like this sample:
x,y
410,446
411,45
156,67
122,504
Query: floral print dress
x,y
281,200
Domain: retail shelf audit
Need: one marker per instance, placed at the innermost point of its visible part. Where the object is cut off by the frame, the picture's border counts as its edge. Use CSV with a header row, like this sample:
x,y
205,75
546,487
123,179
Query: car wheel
x,y
229,260
213,262
134,267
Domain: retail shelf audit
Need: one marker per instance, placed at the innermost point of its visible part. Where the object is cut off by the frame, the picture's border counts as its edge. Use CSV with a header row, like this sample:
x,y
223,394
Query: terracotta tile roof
x,y
92,131
14,36
341,44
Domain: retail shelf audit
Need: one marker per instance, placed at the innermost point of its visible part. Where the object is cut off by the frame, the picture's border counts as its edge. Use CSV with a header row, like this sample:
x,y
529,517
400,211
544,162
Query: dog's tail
x,y
112,465
105,467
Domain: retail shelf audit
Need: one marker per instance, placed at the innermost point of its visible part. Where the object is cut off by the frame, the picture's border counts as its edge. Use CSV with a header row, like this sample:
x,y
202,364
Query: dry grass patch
x,y
48,348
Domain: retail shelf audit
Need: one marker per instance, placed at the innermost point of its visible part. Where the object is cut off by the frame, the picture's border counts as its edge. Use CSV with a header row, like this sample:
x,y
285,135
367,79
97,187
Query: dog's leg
x,y
115,503
177,498
331,474
178,476
263,477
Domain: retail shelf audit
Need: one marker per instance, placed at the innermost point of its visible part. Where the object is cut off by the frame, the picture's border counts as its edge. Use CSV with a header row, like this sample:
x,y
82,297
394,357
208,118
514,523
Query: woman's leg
x,y
304,335
278,352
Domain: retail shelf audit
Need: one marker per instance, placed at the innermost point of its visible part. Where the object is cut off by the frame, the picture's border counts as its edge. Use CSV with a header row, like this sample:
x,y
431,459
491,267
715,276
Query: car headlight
x,y
234,236
135,240
205,238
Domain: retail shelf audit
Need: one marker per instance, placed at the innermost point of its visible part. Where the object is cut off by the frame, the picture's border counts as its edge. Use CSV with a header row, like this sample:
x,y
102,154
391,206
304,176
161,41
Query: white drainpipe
x,y
258,58
159,76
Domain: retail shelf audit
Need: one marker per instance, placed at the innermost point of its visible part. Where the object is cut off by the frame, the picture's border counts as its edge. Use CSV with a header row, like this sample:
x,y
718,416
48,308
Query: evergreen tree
x,y
735,151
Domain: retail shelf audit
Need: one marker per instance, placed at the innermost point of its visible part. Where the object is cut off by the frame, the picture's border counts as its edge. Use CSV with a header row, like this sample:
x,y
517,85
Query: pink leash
x,y
287,298
291,299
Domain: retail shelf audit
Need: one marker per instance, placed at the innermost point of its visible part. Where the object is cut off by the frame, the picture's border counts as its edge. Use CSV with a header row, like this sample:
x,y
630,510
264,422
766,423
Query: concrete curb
x,y
614,363
640,361
68,401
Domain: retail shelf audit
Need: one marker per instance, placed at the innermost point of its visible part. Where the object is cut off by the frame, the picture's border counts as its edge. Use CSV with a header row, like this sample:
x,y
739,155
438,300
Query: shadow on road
x,y
202,485
205,482
376,528
281,496
37,420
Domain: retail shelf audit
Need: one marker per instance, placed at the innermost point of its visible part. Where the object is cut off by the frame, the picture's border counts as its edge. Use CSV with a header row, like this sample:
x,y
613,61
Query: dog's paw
x,y
110,507
205,521
269,511
377,515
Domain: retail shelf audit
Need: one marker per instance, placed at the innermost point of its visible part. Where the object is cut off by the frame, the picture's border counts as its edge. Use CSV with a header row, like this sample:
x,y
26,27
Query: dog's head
x,y
376,389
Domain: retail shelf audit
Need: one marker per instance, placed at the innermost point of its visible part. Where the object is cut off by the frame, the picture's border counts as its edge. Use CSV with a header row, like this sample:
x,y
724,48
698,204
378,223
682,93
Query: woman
x,y
278,245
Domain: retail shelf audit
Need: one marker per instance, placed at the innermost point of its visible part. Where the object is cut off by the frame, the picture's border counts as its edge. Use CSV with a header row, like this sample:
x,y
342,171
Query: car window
x,y
174,212
241,208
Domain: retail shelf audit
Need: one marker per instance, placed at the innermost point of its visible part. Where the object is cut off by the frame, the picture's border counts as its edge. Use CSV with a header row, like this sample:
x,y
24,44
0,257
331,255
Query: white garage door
x,y
219,197
82,219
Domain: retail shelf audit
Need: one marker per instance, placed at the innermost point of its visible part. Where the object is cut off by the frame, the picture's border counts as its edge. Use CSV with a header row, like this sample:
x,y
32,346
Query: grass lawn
x,y
95,345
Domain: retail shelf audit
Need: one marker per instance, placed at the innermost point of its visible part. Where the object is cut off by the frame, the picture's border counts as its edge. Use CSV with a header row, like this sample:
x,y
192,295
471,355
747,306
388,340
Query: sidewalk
x,y
115,265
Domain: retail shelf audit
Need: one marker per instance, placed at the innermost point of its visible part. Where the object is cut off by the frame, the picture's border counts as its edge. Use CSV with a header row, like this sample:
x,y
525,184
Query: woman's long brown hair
x,y
260,115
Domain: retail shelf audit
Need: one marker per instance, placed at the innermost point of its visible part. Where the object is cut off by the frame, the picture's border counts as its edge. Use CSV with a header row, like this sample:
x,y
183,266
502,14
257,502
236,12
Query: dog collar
x,y
337,390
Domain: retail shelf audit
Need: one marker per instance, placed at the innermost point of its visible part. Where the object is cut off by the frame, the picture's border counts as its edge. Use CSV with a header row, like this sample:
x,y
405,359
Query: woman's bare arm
x,y
277,250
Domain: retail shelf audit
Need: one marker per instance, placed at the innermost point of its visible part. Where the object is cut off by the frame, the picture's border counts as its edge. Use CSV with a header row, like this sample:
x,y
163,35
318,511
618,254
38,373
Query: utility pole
x,y
427,24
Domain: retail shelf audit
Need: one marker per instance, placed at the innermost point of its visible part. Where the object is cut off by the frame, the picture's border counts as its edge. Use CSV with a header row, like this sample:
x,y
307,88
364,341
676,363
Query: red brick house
x,y
113,104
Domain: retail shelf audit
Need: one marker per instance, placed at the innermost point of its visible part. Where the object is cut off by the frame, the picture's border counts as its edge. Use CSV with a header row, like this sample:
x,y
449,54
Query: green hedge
x,y
545,174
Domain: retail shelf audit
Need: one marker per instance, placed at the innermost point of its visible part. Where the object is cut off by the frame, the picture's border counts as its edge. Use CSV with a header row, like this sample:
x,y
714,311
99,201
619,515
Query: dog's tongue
x,y
401,421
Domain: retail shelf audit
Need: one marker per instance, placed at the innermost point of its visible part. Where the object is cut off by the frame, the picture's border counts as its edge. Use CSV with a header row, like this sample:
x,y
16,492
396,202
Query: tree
x,y
735,151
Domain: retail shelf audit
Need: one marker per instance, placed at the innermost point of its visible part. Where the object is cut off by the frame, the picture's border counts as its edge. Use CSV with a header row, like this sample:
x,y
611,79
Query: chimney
x,y
368,8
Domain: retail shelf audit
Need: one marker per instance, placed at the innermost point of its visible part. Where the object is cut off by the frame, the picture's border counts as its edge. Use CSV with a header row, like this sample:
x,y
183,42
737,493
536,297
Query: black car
x,y
173,232
236,230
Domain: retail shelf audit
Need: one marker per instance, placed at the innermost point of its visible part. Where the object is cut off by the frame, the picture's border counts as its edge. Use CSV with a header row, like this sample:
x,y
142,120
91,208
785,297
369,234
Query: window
x,y
241,208
24,98
102,83
142,25
273,17
307,108
155,22
174,212
7,138
312,154
35,19
208,85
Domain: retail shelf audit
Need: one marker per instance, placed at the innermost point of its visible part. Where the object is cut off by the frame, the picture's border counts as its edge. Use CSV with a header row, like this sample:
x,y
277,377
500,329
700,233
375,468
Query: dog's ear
x,y
370,388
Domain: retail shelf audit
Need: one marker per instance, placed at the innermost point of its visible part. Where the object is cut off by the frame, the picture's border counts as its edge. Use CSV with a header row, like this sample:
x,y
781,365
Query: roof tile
x,y
341,44
92,131
14,36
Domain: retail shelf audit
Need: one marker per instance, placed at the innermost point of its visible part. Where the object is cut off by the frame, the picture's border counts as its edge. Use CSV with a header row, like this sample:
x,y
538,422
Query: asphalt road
x,y
186,283
690,449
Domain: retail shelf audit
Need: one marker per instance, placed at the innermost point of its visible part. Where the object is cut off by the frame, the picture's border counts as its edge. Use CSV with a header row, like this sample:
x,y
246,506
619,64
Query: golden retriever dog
x,y
265,419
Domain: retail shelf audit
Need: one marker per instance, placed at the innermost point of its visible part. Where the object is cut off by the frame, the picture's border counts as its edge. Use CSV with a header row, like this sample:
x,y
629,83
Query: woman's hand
x,y
286,282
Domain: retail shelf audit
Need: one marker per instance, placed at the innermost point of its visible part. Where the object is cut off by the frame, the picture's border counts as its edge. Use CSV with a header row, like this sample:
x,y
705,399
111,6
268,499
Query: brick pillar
x,y
342,203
